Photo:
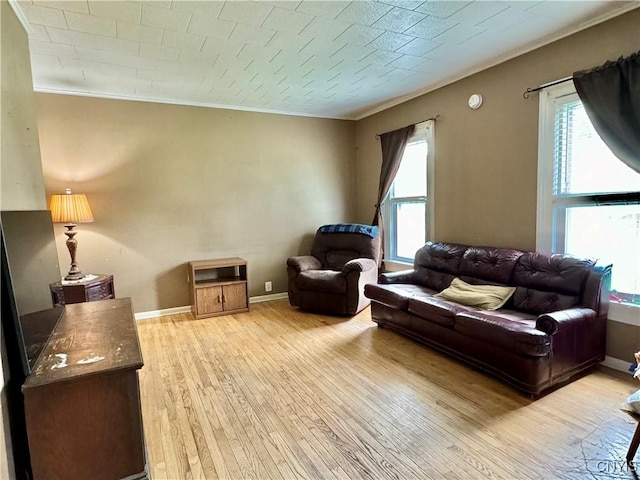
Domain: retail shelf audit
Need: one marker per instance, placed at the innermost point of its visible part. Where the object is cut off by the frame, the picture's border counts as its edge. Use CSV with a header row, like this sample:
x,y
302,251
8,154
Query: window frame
x,y
423,130
546,241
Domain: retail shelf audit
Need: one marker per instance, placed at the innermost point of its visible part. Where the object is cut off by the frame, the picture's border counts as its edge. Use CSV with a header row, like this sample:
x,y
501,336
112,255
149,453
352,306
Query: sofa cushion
x,y
514,335
327,281
559,273
395,295
539,302
436,309
486,297
489,264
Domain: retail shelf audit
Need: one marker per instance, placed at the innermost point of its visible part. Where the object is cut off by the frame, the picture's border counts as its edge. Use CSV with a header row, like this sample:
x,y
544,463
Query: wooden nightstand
x,y
218,287
98,288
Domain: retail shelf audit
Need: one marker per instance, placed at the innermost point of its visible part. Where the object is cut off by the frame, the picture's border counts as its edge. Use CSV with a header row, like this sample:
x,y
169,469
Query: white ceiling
x,y
335,59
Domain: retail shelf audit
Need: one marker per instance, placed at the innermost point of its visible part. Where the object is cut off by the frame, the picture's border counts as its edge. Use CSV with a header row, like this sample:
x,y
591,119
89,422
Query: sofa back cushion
x,y
545,284
437,264
488,265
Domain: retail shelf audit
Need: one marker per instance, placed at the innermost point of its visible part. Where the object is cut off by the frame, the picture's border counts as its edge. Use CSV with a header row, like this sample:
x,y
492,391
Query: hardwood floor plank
x,y
279,393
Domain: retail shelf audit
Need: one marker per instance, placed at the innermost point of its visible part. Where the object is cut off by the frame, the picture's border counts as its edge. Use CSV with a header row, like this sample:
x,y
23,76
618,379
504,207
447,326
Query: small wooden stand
x,y
218,287
98,288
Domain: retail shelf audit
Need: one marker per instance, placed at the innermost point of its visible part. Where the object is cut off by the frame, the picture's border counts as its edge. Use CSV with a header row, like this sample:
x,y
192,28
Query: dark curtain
x,y
393,144
611,97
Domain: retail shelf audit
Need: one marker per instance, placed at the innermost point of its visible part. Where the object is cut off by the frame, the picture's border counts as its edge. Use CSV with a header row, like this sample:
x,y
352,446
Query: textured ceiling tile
x,y
200,7
90,24
321,47
201,58
78,6
381,57
477,12
164,18
211,27
287,20
39,32
505,19
352,53
408,62
325,9
325,29
227,49
46,61
359,35
430,27
286,4
398,20
364,13
117,10
182,41
287,57
289,41
391,41
50,17
419,47
250,13
101,56
47,48
104,68
251,34
158,52
459,34
68,37
441,8
408,4
139,33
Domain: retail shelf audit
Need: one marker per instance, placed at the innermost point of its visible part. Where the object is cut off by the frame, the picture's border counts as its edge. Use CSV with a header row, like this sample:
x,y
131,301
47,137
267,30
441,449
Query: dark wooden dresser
x,y
98,288
82,399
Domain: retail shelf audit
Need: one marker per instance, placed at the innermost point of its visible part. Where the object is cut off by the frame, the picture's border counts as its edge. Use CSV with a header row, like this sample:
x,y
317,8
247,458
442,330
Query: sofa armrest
x,y
359,265
551,323
403,276
304,262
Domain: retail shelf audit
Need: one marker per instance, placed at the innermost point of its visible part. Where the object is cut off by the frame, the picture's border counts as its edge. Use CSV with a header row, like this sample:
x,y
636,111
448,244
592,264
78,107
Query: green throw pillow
x,y
486,297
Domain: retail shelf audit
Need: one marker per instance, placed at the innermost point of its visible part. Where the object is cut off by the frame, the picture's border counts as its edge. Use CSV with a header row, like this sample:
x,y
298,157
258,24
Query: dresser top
x,y
90,338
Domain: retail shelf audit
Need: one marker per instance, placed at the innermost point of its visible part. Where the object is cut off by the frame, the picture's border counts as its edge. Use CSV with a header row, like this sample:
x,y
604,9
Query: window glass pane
x,y
410,229
582,162
610,233
411,179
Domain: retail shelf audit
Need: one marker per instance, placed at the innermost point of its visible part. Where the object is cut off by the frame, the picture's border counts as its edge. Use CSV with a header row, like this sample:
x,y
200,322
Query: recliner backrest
x,y
335,249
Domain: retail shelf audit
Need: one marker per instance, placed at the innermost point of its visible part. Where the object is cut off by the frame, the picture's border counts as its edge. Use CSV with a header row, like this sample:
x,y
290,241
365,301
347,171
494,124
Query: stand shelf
x,y
218,287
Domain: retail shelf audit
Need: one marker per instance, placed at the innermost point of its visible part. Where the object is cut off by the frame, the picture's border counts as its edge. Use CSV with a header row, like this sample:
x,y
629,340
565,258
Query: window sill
x,y
625,313
396,266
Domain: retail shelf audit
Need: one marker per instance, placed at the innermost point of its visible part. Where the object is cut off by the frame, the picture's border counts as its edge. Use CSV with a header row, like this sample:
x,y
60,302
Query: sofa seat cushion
x,y
511,332
436,309
328,281
395,295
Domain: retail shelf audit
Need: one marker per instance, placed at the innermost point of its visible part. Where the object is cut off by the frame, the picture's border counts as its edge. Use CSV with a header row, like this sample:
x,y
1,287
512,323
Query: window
x,y
588,199
408,208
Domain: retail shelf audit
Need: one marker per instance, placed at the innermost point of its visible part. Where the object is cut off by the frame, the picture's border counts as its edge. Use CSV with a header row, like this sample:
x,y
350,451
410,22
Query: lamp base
x,y
77,275
72,244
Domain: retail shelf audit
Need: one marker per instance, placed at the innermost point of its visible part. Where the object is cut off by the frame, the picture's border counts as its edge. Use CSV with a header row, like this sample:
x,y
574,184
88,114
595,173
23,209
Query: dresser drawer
x,y
99,292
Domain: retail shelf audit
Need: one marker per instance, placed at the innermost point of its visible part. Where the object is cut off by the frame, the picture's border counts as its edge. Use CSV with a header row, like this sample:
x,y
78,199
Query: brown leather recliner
x,y
332,279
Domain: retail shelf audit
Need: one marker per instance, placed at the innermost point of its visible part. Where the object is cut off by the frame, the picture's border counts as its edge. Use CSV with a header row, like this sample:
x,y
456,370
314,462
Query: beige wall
x,y
22,184
169,184
486,160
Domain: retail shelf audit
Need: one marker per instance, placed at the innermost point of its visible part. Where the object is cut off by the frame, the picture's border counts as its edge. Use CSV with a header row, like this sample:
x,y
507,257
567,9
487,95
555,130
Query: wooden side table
x,y
218,287
98,288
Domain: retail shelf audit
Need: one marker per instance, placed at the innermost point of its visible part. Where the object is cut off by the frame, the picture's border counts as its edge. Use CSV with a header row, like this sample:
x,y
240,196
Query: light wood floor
x,y
277,393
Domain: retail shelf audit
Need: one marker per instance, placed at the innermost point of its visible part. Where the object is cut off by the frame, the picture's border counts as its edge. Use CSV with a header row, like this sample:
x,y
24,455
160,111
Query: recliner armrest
x,y
551,323
403,276
359,265
304,262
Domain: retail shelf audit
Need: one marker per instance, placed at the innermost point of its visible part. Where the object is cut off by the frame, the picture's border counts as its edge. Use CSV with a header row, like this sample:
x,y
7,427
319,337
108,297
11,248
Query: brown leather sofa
x,y
332,279
553,326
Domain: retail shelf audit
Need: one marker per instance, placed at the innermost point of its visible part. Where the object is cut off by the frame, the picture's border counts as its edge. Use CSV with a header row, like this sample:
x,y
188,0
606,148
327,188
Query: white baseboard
x,y
162,313
187,308
268,298
617,364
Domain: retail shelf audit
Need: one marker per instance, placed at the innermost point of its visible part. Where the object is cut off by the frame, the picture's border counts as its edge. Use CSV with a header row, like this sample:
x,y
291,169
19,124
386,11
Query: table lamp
x,y
71,209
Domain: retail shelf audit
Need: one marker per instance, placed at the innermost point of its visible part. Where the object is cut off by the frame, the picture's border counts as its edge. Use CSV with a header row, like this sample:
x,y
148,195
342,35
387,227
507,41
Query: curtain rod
x,y
525,95
421,121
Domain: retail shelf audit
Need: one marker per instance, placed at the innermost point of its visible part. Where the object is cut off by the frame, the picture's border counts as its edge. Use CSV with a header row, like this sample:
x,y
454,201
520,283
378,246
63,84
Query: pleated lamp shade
x,y
70,208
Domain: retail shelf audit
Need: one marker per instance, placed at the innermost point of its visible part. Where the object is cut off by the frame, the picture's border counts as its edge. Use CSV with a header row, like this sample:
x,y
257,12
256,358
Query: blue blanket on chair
x,y
370,230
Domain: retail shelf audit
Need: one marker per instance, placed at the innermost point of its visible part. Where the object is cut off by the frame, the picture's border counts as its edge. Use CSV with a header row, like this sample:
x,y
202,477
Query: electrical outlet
x,y
267,286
